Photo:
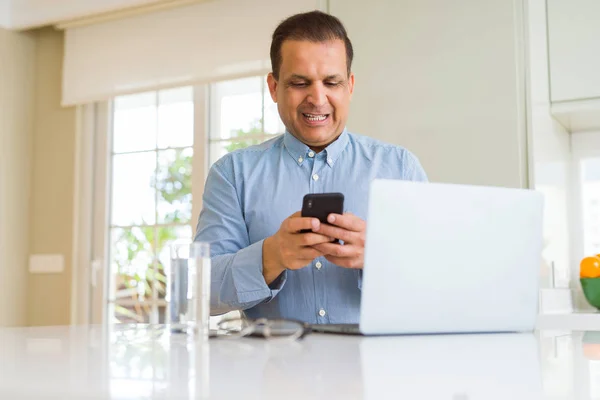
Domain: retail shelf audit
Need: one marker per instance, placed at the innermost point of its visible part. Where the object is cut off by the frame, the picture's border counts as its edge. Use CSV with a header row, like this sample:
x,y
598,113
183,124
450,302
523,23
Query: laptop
x,y
447,258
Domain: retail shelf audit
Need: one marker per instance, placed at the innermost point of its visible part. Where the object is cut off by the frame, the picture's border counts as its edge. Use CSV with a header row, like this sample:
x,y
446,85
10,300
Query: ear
x,y
351,84
272,83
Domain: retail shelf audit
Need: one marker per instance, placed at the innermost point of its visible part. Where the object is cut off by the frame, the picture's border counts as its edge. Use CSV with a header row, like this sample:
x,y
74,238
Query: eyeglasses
x,y
262,327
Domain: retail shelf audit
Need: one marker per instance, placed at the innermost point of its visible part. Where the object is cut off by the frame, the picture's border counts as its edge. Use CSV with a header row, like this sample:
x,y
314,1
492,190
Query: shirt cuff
x,y
360,273
277,285
248,278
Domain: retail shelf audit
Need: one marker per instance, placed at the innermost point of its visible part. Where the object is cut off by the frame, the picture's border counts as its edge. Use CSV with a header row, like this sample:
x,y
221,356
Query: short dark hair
x,y
313,26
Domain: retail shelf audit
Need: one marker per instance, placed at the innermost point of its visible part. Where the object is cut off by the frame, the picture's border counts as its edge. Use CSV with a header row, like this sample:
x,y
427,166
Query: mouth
x,y
315,119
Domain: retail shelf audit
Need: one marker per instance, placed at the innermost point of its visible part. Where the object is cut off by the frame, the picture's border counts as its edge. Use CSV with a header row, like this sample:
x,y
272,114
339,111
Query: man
x,y
261,262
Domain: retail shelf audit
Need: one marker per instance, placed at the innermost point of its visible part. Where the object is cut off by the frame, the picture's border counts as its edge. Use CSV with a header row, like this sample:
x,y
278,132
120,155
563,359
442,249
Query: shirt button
x,y
318,265
300,159
322,312
311,154
329,161
315,177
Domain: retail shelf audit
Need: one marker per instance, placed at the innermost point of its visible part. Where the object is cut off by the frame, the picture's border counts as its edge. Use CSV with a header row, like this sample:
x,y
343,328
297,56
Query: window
x,y
153,178
151,202
242,114
585,197
590,196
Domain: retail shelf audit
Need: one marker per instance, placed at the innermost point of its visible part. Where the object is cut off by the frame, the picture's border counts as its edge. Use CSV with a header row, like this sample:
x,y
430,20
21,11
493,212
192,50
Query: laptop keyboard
x,y
336,328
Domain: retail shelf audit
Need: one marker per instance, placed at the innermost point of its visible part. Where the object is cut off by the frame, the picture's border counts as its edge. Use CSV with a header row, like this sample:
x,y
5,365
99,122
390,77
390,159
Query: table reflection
x,y
482,366
151,362
142,361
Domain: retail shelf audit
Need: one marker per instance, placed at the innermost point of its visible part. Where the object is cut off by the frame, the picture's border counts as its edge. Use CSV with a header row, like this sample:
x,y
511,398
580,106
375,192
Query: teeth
x,y
315,117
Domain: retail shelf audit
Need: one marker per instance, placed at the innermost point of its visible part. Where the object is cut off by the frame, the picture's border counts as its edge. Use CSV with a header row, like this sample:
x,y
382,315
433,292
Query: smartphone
x,y
320,205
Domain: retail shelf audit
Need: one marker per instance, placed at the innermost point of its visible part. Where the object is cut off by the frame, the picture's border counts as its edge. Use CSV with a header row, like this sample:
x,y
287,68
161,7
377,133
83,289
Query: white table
x,y
128,362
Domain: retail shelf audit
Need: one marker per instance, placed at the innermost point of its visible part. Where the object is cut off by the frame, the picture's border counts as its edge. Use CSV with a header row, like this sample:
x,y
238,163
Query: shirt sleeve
x,y
412,169
237,282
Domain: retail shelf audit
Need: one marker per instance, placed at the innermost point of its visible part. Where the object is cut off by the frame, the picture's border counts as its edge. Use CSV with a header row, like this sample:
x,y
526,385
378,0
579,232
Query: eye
x,y
299,84
331,83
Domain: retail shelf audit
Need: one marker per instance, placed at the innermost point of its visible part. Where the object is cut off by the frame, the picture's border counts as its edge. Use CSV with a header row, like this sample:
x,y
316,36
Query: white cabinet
x,y
574,63
444,79
574,49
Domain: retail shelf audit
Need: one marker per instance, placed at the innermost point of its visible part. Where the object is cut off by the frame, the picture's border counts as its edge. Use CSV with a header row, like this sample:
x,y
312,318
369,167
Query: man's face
x,y
313,91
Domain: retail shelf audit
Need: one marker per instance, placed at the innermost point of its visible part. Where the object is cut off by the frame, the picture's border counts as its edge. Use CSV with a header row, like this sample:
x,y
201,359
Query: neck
x,y
318,148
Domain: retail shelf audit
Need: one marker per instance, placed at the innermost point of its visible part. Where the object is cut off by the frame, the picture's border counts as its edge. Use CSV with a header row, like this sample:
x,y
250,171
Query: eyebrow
x,y
304,78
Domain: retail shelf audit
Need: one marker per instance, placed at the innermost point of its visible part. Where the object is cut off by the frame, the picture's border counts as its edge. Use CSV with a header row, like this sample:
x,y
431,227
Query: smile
x,y
315,117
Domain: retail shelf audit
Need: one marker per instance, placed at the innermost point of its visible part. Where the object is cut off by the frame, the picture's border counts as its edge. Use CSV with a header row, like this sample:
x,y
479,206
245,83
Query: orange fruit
x,y
589,267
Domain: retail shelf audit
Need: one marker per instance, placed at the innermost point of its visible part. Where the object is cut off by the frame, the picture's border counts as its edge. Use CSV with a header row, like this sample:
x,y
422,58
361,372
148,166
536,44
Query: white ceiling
x,y
27,14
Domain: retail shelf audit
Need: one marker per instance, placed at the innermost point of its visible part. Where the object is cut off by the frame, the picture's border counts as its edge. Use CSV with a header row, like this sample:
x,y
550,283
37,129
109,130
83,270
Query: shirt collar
x,y
336,148
298,149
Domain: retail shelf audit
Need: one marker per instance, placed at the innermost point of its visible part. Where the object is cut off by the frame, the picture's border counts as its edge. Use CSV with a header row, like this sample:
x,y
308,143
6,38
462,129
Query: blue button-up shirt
x,y
250,192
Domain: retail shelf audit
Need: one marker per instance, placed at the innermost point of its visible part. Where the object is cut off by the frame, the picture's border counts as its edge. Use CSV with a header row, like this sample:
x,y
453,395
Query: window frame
x,y
83,203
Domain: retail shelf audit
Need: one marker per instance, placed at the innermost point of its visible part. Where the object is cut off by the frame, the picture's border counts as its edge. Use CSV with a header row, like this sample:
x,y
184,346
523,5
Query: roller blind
x,y
197,43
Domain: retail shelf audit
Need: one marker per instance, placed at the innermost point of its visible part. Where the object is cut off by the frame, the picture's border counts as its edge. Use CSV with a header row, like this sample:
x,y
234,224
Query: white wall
x,y
444,79
551,154
52,178
4,13
17,72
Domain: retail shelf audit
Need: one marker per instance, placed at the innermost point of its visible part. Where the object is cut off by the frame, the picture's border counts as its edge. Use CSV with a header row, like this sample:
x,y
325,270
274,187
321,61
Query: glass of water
x,y
188,288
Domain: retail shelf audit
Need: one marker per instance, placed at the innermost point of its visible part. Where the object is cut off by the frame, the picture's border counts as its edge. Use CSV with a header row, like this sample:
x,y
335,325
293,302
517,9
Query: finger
x,y
339,233
300,257
338,250
347,221
353,263
297,224
308,254
310,239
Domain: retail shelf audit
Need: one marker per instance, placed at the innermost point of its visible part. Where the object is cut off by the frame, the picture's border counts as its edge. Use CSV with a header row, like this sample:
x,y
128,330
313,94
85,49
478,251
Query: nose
x,y
317,95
